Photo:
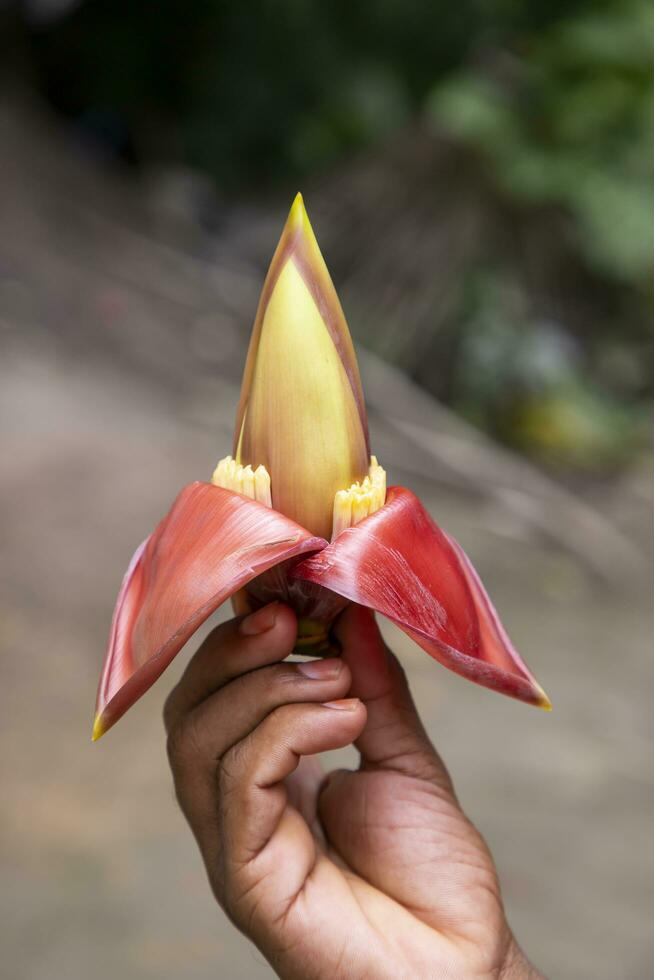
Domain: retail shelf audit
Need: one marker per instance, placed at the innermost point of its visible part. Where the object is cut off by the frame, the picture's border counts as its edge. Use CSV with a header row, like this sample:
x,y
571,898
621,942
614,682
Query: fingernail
x,y
260,621
345,704
320,670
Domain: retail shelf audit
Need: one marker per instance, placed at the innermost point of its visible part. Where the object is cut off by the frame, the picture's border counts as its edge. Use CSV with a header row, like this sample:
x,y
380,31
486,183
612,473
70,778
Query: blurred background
x,y
481,178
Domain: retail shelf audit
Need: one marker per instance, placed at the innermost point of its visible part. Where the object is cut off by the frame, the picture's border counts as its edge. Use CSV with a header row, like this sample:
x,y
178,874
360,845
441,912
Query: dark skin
x,y
361,875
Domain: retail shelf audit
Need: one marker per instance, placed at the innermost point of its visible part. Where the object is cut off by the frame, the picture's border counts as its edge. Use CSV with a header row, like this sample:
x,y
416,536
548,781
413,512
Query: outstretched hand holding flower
x,y
372,874
358,875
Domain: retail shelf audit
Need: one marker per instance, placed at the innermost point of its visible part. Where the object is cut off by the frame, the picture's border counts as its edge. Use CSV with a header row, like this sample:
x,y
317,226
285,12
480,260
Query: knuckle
x,y
287,675
277,677
243,757
183,743
175,748
278,720
230,765
169,711
272,686
174,760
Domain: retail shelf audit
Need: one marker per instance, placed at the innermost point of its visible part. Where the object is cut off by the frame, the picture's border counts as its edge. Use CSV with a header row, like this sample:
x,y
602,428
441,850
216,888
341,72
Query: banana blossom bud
x,y
301,414
300,512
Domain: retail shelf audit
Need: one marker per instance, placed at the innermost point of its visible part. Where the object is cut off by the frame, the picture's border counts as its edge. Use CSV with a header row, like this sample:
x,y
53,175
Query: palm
x,y
391,854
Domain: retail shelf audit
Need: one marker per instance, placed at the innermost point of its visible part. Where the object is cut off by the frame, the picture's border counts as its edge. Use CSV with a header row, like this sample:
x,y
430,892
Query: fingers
x,y
208,730
266,841
233,648
394,737
252,772
216,709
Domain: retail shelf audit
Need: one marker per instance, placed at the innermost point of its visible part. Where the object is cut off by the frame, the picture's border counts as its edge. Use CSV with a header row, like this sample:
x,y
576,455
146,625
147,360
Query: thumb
x,y
394,737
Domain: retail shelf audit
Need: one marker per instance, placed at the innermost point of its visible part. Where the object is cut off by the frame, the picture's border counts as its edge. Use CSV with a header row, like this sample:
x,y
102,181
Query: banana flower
x,y
300,512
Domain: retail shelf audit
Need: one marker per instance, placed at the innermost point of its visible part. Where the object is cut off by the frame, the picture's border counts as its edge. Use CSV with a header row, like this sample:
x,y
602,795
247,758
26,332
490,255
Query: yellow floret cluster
x,y
255,484
360,500
350,506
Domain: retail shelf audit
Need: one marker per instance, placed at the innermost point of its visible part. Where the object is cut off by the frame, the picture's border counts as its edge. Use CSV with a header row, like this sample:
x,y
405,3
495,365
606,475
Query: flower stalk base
x,y
314,640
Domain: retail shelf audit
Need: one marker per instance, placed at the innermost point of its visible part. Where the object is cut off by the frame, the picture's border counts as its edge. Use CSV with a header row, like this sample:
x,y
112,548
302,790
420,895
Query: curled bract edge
x,y
401,564
210,544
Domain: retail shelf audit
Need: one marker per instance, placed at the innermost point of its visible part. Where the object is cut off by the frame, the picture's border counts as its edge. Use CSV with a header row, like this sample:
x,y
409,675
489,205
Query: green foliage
x,y
530,382
566,116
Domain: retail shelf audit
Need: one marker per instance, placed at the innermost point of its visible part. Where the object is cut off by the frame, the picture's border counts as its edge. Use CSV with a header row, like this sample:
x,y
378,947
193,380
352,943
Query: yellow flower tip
x,y
298,212
98,728
298,220
543,700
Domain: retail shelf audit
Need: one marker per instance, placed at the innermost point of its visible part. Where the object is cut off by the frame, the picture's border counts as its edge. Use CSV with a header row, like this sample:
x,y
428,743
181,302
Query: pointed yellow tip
x,y
543,700
297,216
98,728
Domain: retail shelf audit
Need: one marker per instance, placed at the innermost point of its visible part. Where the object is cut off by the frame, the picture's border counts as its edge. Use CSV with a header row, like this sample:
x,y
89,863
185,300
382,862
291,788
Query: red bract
x,y
301,447
211,544
399,563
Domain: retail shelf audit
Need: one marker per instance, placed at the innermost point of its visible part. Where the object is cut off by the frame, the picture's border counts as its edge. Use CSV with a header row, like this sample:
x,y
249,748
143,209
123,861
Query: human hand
x,y
360,875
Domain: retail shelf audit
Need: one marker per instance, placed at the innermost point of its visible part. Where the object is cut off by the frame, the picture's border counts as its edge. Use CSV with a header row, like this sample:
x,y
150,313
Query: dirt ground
x,y
118,377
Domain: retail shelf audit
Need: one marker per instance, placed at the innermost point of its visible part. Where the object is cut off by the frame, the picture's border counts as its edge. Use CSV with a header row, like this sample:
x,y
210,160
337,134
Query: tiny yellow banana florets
x,y
255,484
361,500
350,506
